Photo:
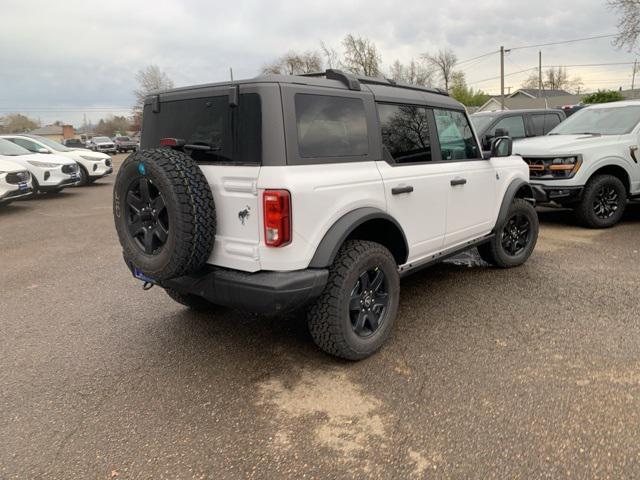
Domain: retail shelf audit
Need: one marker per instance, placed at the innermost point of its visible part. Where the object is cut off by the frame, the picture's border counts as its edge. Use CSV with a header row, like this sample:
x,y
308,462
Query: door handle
x,y
458,181
403,189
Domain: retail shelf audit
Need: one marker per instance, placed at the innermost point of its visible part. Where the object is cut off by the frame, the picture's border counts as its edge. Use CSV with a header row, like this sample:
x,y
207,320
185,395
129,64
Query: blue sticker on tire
x,y
142,169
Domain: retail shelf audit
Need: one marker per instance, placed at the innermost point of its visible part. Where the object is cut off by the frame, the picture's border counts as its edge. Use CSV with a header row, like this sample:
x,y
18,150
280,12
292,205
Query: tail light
x,y
277,217
171,142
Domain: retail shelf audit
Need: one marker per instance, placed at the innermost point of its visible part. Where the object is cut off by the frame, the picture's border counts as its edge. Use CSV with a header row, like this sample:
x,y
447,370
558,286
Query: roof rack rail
x,y
350,81
353,82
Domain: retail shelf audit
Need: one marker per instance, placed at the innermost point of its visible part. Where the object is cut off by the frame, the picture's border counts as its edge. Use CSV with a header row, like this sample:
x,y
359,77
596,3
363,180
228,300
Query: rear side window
x,y
513,125
457,141
331,126
224,133
537,124
405,132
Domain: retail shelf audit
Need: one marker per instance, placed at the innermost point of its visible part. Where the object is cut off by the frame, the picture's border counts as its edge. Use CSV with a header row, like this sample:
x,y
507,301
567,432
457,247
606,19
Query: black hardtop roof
x,y
498,113
383,89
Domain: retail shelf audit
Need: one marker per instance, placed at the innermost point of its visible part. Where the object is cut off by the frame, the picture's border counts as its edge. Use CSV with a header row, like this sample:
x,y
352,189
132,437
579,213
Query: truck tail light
x,y
277,217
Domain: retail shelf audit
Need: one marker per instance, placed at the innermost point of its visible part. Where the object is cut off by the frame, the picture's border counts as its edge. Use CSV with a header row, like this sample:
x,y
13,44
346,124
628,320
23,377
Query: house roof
x,y
534,93
48,130
522,102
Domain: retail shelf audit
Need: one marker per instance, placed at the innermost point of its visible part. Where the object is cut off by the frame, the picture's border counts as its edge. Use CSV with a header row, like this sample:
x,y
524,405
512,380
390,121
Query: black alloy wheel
x,y
368,302
606,202
516,234
147,216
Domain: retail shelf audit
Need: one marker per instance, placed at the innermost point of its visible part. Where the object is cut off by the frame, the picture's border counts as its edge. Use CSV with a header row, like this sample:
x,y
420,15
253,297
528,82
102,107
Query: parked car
x,y
101,144
15,181
589,162
125,144
49,173
93,165
516,124
75,143
323,192
571,109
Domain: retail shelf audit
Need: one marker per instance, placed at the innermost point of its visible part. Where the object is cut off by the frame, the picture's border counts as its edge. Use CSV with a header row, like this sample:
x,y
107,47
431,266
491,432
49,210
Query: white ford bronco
x,y
316,191
589,162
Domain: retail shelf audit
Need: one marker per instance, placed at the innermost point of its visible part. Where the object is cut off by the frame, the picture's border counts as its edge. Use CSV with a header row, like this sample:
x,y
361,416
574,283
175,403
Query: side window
x,y
513,125
551,121
331,126
28,144
457,141
405,132
537,123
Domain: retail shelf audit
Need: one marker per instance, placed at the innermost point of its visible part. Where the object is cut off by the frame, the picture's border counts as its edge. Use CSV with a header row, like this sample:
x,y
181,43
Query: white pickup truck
x,y
589,162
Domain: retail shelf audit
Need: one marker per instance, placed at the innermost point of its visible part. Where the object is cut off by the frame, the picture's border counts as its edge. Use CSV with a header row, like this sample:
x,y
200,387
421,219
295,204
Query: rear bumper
x,y
260,292
547,194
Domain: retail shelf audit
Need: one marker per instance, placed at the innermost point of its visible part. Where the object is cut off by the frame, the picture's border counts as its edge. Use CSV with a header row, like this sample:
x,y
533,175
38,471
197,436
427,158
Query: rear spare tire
x,y
164,213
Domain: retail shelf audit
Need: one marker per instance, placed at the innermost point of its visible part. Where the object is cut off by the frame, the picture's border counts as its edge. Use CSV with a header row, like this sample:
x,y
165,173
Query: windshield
x,y
101,139
480,122
123,139
600,121
10,149
58,147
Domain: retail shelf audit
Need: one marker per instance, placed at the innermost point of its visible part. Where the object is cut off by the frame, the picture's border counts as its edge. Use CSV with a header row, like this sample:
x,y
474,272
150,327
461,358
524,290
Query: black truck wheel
x,y
515,237
164,213
355,314
603,202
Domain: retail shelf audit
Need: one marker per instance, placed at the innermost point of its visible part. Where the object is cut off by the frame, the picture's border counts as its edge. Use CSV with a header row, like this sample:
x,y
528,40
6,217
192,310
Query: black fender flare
x,y
514,187
342,228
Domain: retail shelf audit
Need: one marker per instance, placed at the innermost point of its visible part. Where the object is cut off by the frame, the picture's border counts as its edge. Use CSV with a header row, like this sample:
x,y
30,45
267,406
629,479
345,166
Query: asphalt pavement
x,y
526,373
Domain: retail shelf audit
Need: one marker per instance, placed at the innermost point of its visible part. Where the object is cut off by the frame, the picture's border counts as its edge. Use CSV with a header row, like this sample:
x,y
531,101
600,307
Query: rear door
x,y
222,128
415,181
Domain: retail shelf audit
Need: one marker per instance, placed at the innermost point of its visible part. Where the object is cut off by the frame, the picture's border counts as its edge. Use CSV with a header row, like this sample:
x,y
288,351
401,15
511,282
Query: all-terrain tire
x,y
585,210
329,318
495,252
194,302
188,213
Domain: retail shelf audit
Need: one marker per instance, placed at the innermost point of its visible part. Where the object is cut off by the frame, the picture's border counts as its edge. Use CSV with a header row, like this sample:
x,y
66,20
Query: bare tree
x,y
361,56
16,123
332,59
293,63
628,23
554,78
151,79
414,73
443,62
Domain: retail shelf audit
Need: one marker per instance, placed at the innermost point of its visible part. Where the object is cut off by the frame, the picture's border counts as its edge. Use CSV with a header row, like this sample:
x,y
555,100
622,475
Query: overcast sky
x,y
61,59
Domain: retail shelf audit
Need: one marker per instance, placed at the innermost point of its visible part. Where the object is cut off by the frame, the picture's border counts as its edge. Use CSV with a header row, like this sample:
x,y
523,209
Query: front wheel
x,y
355,314
603,202
515,237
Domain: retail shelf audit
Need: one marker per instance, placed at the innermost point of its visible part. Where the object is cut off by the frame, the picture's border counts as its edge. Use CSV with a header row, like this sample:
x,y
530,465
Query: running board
x,y
410,268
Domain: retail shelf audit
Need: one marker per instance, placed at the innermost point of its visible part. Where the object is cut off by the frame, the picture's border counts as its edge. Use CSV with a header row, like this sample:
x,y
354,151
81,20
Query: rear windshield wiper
x,y
202,147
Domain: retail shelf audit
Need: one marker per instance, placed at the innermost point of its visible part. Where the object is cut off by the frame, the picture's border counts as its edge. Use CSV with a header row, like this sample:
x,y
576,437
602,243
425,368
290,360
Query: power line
x,y
479,56
506,75
563,42
589,65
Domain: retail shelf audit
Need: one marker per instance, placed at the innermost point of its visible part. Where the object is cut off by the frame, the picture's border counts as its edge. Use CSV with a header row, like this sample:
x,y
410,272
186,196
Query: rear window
x,y
331,126
225,134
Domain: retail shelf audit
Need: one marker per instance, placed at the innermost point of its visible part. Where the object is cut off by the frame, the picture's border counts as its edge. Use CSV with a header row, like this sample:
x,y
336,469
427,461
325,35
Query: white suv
x,y
93,165
49,173
15,181
589,162
321,191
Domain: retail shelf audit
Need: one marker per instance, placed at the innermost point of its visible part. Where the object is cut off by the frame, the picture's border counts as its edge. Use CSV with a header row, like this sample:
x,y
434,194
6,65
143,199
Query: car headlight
x,y
36,163
565,166
91,159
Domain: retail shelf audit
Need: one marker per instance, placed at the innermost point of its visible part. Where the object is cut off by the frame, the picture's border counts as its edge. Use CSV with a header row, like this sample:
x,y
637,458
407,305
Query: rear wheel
x,y
355,314
515,237
603,202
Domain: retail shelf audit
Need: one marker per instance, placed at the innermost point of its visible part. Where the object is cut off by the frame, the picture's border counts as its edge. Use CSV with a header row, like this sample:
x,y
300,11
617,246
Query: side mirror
x,y
502,147
486,141
43,150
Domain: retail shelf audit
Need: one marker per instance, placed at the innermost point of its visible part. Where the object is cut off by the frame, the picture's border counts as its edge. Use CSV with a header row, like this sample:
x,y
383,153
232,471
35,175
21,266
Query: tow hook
x,y
148,282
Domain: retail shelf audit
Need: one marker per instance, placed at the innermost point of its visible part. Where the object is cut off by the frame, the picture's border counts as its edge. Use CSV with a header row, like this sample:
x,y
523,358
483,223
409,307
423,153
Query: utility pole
x,y
231,73
540,74
501,78
633,79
